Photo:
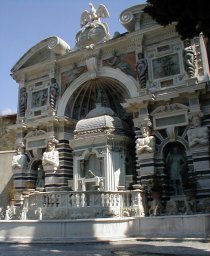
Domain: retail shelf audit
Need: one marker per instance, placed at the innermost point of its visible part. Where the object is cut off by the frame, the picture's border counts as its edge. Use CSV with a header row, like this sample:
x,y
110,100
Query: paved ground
x,y
123,248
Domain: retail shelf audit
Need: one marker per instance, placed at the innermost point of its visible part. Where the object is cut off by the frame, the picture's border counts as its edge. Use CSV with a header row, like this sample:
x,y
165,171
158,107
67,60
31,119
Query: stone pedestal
x,y
19,179
55,181
145,168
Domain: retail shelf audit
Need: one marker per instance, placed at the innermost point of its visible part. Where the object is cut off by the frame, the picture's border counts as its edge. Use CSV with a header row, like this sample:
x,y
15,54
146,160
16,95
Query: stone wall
x,y
7,145
6,177
7,137
61,231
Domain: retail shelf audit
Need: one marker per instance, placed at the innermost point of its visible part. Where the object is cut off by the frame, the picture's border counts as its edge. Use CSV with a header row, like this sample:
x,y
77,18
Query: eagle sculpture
x,y
93,15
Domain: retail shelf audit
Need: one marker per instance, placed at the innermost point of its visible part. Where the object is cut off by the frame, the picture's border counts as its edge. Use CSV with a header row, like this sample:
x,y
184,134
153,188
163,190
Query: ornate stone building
x,y
129,109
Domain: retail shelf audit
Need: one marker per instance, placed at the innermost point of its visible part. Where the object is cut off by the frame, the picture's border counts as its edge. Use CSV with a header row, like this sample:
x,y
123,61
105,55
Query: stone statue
x,y
93,16
54,91
93,31
176,164
189,58
40,178
197,135
50,159
142,70
19,161
145,144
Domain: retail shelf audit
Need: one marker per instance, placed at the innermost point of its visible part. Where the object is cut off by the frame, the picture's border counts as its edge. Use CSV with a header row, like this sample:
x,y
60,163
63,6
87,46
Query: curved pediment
x,y
42,52
135,15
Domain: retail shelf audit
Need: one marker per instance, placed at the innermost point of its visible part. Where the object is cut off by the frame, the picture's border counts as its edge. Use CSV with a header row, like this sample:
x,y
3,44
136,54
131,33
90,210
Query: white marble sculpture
x,y
145,144
93,16
19,160
50,160
197,135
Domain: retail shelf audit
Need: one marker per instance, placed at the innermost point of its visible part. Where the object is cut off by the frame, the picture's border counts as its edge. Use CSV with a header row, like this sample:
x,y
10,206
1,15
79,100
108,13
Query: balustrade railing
x,y
85,204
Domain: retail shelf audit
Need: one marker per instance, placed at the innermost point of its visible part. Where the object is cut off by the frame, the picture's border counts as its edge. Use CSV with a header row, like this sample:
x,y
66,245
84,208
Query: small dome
x,y
100,111
99,118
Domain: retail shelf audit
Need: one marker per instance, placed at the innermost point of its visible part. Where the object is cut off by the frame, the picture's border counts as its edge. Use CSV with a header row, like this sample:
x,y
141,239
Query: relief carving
x,y
54,92
142,70
22,102
117,61
189,57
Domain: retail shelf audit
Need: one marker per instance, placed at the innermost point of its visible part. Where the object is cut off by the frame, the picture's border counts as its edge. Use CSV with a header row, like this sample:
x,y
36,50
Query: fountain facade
x,y
116,127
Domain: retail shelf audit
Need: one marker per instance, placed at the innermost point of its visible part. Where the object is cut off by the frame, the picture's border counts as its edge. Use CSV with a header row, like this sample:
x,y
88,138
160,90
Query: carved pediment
x,y
169,108
38,57
35,133
42,52
170,115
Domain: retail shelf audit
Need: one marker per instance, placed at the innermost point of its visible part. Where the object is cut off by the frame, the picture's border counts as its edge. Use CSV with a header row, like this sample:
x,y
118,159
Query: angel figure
x,y
91,18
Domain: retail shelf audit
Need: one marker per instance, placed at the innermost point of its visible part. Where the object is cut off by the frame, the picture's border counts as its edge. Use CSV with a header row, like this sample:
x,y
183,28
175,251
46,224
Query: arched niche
x,y
116,85
84,98
94,164
33,172
175,159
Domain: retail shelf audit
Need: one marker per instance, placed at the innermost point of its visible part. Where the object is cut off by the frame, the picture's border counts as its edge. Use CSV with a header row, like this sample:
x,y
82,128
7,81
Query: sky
x,y
24,23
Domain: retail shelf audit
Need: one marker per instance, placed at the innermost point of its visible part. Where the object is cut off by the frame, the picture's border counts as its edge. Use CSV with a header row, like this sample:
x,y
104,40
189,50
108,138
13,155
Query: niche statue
x,y
176,165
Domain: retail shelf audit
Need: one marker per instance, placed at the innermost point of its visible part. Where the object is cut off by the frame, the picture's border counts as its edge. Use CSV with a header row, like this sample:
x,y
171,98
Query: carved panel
x,y
125,62
171,115
39,98
165,66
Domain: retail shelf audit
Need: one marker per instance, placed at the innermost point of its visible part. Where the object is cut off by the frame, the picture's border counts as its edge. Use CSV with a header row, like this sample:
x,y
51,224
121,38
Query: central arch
x,y
84,98
107,78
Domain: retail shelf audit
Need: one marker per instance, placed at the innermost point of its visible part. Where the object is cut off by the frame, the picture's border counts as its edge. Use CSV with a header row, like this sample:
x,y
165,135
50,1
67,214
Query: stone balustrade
x,y
84,204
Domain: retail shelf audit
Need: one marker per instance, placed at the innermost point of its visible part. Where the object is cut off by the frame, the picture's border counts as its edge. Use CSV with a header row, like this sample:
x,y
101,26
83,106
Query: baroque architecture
x,y
119,123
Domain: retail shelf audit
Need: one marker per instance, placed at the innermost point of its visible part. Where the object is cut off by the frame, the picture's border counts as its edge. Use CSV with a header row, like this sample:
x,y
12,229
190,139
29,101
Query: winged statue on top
x,y
92,29
93,16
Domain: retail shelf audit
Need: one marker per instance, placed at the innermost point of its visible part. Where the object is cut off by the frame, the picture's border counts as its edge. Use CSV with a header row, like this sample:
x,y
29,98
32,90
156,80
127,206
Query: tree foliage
x,y
192,16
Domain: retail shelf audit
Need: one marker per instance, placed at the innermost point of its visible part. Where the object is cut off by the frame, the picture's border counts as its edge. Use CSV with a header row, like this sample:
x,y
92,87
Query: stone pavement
x,y
132,247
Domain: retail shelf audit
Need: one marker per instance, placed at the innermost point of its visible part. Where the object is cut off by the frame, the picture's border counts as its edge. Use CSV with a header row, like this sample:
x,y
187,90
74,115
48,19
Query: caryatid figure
x,y
50,159
145,144
198,135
